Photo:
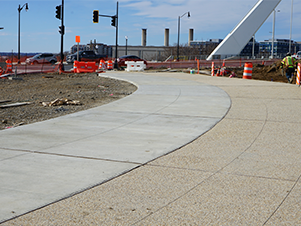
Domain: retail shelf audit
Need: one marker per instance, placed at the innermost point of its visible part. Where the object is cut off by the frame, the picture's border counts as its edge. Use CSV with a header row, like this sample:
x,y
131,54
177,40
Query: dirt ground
x,y
90,90
271,73
85,90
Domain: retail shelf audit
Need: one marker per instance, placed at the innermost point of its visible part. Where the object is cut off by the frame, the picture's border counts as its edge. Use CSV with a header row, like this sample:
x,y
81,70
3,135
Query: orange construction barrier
x,y
84,67
298,75
9,66
212,69
248,69
110,65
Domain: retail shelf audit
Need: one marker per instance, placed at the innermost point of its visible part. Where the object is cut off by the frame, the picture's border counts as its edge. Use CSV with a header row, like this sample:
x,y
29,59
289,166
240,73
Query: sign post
x,y
77,39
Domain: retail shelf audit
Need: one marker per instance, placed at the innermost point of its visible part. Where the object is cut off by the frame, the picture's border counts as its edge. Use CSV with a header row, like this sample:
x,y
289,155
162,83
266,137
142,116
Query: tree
x,y
185,52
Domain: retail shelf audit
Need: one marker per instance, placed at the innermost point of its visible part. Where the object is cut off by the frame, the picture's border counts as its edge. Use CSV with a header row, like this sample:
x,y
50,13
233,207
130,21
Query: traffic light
x,y
95,16
62,30
58,12
113,22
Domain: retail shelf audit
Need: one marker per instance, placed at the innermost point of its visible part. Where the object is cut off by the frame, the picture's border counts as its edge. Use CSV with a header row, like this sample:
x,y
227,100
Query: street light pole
x,y
290,44
126,45
19,29
178,47
273,35
178,44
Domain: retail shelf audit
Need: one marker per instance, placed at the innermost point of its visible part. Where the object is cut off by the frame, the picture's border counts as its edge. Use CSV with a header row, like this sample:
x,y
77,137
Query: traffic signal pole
x,y
116,47
62,36
114,23
60,15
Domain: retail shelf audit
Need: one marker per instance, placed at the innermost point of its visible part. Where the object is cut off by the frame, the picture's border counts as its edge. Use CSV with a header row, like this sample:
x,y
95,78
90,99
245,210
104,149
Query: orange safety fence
x,y
207,64
39,68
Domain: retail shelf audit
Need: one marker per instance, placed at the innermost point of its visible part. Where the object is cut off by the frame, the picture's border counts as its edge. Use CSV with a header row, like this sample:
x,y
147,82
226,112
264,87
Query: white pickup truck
x,y
297,55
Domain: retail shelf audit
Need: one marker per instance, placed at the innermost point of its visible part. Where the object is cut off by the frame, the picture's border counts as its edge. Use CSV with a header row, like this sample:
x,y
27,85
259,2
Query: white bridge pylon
x,y
237,39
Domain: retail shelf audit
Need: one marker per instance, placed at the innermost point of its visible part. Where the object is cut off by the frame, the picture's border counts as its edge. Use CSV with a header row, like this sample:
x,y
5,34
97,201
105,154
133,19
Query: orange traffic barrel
x,y
298,77
102,65
248,71
110,65
9,67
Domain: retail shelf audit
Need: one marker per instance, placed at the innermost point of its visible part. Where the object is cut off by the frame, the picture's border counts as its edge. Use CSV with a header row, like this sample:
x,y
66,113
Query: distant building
x,y
73,48
202,49
206,47
281,47
155,53
297,47
249,48
99,48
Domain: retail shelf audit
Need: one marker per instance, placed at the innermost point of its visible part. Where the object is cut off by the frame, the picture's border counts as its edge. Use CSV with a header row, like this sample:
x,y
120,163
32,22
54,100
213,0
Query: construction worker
x,y
289,63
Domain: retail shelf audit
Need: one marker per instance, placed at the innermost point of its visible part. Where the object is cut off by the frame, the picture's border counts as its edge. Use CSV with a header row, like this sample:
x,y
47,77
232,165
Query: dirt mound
x,y
267,73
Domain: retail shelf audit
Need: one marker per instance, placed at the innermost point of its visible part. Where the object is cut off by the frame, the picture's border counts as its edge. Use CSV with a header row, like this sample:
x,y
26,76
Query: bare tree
x,y
185,52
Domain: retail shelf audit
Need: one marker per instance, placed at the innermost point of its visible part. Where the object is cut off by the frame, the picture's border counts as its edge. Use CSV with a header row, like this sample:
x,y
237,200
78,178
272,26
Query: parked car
x,y
86,56
121,60
42,58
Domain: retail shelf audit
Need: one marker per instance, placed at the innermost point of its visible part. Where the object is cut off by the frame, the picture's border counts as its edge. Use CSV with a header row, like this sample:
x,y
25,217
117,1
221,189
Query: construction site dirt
x,y
36,97
31,98
273,73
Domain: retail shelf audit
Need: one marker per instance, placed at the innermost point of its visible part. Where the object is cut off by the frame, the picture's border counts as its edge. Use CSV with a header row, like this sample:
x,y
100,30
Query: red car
x,y
121,60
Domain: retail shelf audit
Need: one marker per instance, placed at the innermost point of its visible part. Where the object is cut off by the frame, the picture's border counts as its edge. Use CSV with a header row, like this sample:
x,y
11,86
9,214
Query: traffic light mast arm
x,y
96,15
105,16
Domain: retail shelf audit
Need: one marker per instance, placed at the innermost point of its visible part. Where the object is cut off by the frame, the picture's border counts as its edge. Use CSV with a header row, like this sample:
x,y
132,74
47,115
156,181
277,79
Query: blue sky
x,y
210,19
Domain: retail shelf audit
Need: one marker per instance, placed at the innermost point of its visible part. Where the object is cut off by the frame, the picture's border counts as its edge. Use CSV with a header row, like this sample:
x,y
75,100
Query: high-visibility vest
x,y
288,61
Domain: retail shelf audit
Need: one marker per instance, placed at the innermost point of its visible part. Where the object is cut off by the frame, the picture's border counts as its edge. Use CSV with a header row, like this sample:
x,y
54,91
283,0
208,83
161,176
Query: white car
x,y
42,58
298,55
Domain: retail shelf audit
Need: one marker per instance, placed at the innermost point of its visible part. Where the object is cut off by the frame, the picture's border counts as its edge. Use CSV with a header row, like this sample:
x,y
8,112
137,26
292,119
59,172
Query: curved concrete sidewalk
x,y
244,171
51,160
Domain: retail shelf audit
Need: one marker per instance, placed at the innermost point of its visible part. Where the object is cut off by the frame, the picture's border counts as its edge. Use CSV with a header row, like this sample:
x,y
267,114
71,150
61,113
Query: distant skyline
x,y
212,19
